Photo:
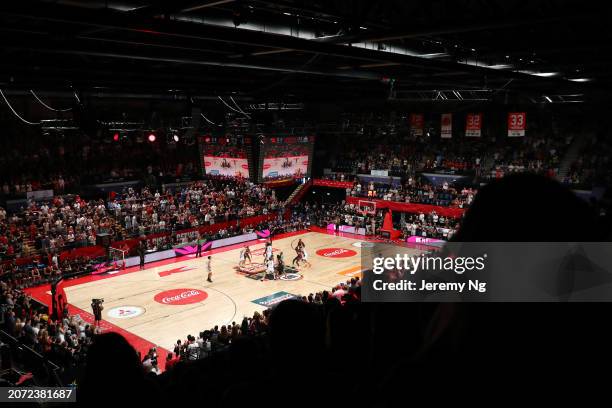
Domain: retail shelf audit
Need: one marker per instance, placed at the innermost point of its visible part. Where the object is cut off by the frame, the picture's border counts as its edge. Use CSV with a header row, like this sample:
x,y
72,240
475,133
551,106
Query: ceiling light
x,y
546,74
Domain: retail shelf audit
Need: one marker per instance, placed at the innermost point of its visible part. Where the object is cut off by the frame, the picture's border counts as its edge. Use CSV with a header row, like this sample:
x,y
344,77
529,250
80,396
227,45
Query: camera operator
x,y
96,307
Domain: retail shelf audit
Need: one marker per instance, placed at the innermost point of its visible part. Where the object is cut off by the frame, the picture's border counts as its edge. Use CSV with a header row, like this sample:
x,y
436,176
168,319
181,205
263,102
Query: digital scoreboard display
x,y
225,156
285,157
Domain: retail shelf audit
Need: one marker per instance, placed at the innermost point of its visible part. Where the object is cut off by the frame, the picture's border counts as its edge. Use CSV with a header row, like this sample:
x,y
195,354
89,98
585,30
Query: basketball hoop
x,y
367,207
117,257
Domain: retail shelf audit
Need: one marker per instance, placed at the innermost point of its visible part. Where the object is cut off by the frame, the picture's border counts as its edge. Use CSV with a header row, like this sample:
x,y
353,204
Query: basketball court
x,y
171,299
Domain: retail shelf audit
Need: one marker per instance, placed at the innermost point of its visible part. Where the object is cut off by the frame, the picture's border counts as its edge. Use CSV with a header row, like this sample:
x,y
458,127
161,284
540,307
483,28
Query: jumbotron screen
x,y
225,156
287,157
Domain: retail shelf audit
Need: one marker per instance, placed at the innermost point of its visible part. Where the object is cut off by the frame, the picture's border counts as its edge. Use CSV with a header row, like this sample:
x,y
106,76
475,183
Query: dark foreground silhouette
x,y
398,354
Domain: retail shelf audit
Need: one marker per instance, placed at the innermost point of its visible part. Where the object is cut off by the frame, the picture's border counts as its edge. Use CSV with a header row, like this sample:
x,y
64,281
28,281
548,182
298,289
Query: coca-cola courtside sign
x,y
336,252
180,296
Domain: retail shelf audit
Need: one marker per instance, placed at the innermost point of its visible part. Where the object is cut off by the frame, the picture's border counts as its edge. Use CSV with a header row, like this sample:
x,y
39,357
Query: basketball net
x,y
117,257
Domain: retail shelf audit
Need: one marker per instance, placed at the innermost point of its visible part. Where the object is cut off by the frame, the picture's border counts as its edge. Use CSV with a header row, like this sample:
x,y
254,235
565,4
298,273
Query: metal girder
x,y
429,31
121,21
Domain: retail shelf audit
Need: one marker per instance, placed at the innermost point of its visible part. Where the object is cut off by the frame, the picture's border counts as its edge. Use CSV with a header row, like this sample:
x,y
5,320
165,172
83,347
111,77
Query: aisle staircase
x,y
29,248
572,154
298,193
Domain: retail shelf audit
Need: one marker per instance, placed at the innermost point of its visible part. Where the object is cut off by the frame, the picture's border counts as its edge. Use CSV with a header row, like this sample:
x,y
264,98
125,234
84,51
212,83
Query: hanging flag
x,y
446,131
473,125
417,124
517,123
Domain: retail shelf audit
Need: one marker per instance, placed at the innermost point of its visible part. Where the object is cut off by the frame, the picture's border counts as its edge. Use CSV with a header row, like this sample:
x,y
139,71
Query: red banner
x,y
410,207
417,123
517,123
473,125
446,128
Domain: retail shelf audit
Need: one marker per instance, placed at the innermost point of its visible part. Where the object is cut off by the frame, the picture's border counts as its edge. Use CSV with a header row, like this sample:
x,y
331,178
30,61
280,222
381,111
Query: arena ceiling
x,y
459,50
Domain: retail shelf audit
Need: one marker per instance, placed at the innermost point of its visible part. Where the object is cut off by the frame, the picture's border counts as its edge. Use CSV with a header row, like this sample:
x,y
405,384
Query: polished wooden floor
x,y
230,296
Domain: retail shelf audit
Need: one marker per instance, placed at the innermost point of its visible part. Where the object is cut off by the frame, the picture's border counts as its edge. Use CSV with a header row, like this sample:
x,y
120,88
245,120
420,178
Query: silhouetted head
x,y
296,330
527,207
112,364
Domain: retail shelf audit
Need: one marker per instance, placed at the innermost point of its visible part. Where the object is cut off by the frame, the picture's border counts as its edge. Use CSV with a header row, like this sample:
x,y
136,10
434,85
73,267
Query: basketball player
x,y
247,254
298,253
242,257
305,256
209,269
300,244
270,267
268,252
280,264
267,270
298,257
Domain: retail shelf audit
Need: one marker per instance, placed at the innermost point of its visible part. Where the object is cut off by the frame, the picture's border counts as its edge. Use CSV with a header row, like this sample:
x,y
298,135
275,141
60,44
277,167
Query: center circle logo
x,y
180,296
336,252
125,312
290,276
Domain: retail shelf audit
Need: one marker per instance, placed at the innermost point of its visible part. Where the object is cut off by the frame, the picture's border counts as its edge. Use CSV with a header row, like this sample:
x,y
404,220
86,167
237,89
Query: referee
x,y
199,247
141,254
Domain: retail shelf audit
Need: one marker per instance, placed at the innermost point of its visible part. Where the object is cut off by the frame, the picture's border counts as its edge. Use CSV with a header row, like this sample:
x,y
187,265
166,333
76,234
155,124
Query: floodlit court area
x,y
171,299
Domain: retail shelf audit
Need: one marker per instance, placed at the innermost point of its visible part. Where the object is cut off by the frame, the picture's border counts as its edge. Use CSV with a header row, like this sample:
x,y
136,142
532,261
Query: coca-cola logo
x,y
180,296
336,252
245,166
266,166
207,164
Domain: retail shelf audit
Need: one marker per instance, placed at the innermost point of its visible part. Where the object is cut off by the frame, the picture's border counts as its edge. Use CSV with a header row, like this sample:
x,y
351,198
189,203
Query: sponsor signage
x,y
352,230
180,296
234,240
274,299
423,240
336,253
379,173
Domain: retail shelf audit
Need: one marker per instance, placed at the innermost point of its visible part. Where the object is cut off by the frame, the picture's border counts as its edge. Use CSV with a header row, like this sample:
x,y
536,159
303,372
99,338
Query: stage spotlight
x,y
152,137
116,137
175,137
